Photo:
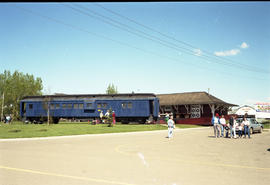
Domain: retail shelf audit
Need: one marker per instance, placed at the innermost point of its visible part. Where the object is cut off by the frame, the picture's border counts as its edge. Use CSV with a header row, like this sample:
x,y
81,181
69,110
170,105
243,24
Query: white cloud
x,y
197,52
244,45
227,53
231,52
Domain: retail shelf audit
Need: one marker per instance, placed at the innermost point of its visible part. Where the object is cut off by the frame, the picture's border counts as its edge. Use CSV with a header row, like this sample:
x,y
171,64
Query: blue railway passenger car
x,y
127,107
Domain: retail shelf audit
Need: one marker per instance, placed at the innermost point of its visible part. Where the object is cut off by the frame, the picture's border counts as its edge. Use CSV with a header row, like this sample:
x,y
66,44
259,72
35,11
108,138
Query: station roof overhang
x,y
191,98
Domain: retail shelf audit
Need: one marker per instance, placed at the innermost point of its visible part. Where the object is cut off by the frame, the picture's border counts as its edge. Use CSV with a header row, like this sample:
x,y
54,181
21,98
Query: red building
x,y
192,107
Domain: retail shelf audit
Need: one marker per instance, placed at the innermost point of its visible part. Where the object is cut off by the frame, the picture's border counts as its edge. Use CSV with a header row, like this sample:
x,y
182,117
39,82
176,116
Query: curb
x,y
92,135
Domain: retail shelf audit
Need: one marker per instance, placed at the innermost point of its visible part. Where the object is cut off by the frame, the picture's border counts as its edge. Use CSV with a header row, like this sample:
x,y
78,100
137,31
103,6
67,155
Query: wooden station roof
x,y
189,98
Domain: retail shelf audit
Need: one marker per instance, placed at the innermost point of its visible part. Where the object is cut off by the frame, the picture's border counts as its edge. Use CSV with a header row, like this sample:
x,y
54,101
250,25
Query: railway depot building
x,y
192,107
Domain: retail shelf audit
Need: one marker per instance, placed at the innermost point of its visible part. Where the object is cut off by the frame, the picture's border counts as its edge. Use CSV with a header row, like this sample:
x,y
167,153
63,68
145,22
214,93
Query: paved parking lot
x,y
191,157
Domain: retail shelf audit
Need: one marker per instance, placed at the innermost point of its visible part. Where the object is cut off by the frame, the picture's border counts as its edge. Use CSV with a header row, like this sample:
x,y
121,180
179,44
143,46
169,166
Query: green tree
x,y
14,87
111,89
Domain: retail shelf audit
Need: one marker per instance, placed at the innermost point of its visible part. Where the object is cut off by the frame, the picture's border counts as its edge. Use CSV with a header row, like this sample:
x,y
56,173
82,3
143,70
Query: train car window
x,y
104,105
52,106
45,105
76,106
30,106
129,105
80,106
89,105
124,105
57,105
64,106
99,105
69,105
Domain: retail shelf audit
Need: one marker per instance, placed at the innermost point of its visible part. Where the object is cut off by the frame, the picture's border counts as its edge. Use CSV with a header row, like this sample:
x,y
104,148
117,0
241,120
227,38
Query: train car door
x,y
23,108
151,106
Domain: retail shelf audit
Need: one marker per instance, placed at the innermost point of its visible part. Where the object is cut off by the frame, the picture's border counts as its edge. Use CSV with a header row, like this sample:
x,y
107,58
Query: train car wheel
x,y
55,120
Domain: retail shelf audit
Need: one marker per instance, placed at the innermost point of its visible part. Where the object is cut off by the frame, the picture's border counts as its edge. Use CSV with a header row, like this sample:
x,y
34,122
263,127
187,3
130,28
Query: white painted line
x,y
141,156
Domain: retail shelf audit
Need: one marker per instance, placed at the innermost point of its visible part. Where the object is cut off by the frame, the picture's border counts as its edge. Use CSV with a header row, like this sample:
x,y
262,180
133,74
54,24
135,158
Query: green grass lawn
x,y
266,125
21,130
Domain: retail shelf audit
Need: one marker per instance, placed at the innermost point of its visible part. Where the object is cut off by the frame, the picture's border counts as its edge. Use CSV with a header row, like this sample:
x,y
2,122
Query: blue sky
x,y
80,48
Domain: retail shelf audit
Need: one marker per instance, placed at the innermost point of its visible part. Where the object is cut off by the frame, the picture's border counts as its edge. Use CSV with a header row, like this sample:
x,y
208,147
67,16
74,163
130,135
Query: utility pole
x,y
208,91
48,110
2,107
48,113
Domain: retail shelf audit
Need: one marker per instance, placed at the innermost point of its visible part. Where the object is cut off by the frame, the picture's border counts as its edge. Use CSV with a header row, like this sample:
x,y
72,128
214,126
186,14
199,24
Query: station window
x,y
30,106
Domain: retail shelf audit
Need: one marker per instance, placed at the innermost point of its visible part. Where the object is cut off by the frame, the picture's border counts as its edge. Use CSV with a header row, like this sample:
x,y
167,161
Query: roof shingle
x,y
189,98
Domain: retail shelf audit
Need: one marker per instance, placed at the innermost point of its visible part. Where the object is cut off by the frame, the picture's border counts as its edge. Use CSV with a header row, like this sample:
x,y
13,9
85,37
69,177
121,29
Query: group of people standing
x,y
220,125
108,114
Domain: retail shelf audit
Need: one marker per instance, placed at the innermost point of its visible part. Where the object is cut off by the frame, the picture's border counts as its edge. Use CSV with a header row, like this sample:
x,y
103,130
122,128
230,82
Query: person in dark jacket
x,y
231,120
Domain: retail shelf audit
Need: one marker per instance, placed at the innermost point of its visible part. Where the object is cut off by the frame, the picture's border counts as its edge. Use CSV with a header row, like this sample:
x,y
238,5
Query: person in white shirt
x,y
8,119
171,126
101,116
222,125
246,127
107,114
234,128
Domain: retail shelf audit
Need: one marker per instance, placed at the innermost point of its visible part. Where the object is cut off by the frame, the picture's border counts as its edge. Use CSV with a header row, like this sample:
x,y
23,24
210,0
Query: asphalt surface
x,y
191,157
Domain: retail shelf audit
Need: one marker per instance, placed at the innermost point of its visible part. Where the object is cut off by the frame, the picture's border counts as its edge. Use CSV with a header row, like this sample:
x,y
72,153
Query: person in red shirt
x,y
113,115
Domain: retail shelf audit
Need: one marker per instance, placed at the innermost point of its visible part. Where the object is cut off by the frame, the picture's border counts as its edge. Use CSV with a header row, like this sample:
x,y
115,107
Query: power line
x,y
126,27
185,43
141,34
149,37
95,34
108,38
